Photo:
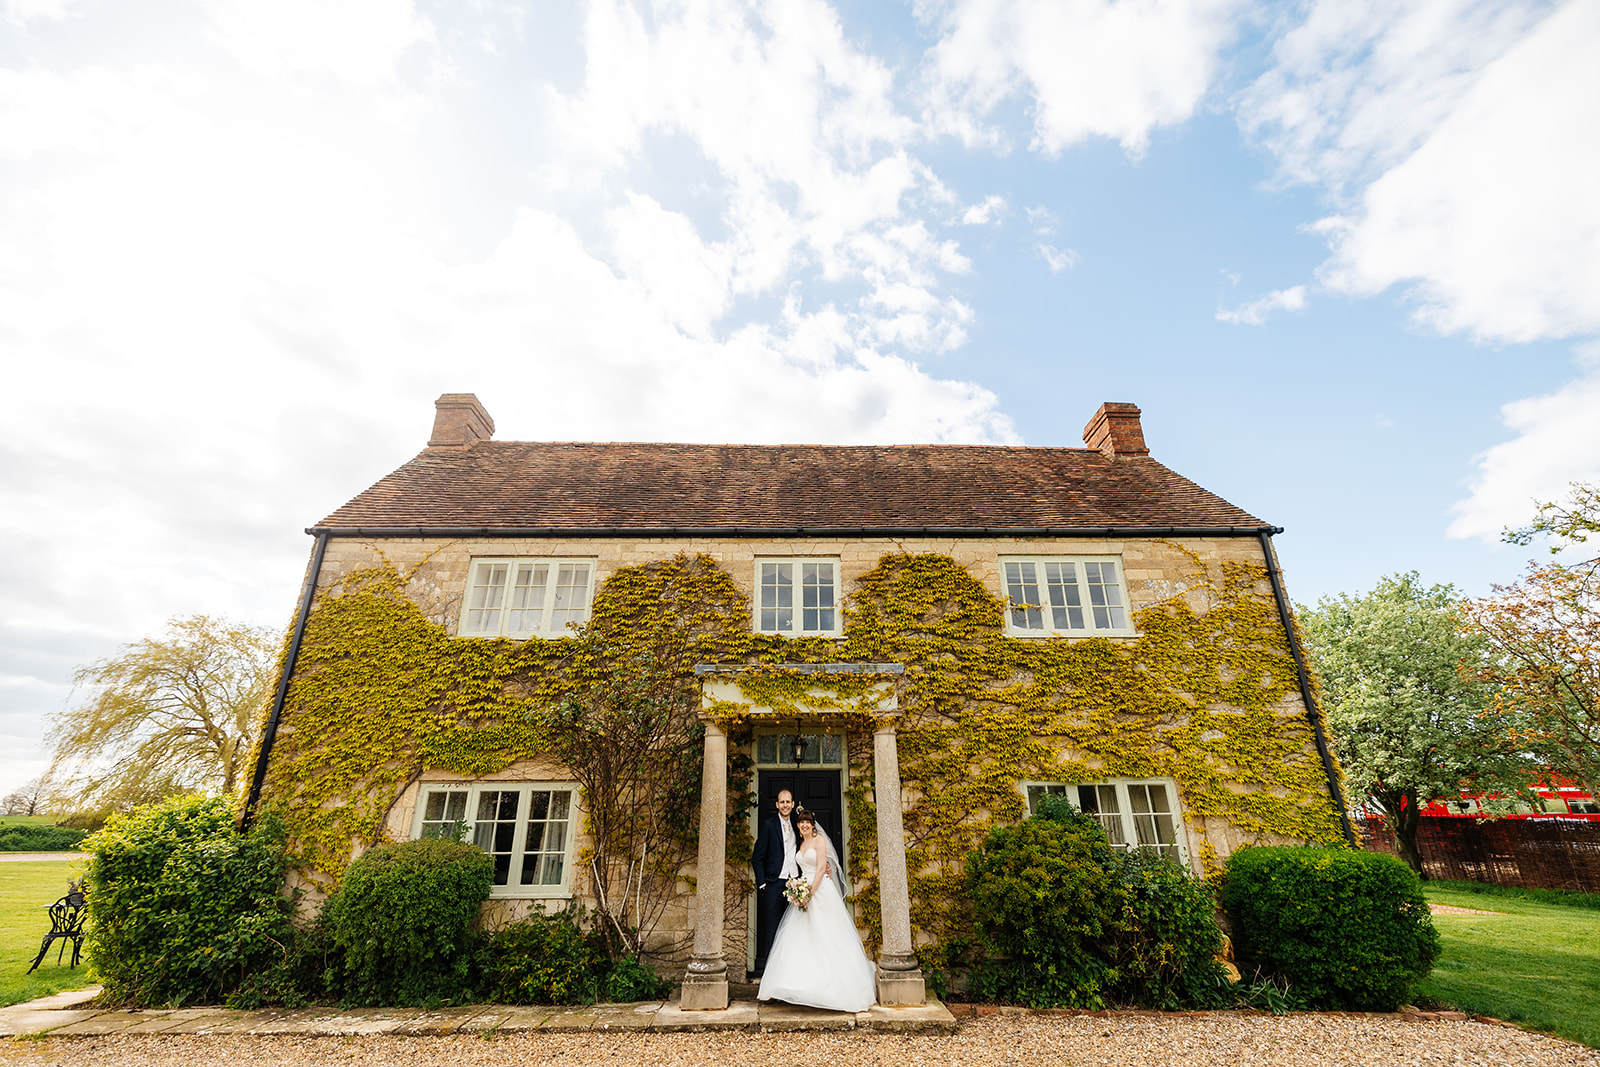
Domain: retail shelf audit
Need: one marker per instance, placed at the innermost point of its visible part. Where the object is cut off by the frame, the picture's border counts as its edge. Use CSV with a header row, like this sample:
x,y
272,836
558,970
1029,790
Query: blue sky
x,y
1345,255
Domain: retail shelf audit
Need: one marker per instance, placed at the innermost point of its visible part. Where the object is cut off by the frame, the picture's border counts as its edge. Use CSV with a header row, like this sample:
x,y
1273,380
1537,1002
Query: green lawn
x,y
24,889
1534,964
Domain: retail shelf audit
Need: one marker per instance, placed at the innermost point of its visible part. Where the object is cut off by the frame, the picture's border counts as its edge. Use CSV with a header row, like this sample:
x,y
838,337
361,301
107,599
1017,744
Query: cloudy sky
x,y
1345,255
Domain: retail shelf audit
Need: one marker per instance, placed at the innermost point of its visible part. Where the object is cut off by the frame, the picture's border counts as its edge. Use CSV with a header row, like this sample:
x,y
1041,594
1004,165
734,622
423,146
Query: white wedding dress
x,y
816,957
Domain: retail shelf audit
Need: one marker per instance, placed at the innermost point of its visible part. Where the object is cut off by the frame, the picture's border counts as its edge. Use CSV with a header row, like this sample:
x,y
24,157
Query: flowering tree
x,y
1546,632
1406,703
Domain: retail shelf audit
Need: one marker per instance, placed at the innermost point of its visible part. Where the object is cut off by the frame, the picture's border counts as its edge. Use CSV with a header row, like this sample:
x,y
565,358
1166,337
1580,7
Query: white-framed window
x,y
527,827
1132,811
797,597
526,597
1080,596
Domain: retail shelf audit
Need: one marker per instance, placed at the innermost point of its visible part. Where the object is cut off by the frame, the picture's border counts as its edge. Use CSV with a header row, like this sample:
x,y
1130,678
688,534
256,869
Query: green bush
x,y
402,922
1065,920
627,980
1041,896
544,959
32,837
182,908
549,959
1346,930
1163,938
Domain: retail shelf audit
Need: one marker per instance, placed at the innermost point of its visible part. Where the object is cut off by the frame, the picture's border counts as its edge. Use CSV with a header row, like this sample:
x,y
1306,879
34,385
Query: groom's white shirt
x,y
791,866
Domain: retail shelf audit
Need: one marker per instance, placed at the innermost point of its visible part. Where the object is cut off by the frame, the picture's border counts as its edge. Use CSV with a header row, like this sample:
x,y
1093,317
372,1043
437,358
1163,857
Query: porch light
x,y
797,747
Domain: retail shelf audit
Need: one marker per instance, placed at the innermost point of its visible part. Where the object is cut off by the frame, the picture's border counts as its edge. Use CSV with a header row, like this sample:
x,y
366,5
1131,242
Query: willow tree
x,y
164,716
1405,701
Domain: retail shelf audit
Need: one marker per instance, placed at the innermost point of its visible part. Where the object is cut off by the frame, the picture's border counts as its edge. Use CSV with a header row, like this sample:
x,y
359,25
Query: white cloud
x,y
1557,443
1089,68
1057,259
988,210
1256,311
1464,138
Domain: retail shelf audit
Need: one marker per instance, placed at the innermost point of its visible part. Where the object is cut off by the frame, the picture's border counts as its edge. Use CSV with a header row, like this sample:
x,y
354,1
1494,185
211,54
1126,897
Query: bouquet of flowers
x,y
797,891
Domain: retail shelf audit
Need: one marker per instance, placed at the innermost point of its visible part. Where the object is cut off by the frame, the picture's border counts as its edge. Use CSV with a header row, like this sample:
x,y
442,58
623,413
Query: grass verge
x,y
25,888
1532,963
1564,897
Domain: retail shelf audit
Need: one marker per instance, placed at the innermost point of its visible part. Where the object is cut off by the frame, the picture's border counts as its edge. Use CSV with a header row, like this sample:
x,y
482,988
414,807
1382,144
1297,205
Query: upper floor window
x,y
526,597
1074,595
797,597
527,829
1143,813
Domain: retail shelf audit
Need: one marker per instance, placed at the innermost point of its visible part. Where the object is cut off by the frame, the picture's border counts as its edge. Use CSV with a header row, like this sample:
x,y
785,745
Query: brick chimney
x,y
1115,430
459,420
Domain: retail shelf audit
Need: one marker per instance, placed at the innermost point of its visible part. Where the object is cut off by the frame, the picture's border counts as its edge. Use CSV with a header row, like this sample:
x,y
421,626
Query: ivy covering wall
x,y
381,695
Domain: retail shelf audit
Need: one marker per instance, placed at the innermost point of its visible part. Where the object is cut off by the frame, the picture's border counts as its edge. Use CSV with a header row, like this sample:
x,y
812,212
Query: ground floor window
x,y
526,827
1132,811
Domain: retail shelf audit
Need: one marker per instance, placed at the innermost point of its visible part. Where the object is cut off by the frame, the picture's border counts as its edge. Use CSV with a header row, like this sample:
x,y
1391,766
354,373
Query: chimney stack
x,y
459,420
1115,430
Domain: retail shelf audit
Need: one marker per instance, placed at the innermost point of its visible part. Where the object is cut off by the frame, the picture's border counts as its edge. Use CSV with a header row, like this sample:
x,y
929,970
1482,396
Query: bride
x,y
816,957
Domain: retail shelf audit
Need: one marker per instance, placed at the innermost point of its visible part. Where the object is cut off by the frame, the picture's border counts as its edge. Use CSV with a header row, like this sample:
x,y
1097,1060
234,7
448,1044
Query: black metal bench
x,y
66,923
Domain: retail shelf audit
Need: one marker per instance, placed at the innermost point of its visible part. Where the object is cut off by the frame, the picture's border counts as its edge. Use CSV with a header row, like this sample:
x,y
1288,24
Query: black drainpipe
x,y
307,595
1312,711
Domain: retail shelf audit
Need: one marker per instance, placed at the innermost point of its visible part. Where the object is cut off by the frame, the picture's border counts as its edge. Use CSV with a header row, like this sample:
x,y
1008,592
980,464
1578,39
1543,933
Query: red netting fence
x,y
1527,853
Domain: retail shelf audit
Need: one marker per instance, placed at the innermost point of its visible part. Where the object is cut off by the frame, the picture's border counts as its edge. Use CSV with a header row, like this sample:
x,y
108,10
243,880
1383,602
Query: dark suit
x,y
767,862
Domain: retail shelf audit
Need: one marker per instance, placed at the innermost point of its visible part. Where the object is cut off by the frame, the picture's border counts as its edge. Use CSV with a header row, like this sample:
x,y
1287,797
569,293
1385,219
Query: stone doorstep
x,y
783,1018
739,1015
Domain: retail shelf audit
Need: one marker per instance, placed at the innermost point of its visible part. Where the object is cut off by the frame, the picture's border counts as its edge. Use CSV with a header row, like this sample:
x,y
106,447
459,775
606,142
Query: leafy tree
x,y
165,716
31,799
1545,630
1409,713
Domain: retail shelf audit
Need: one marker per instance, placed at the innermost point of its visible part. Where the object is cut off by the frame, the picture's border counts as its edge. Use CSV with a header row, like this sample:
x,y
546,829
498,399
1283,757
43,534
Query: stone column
x,y
899,976
705,986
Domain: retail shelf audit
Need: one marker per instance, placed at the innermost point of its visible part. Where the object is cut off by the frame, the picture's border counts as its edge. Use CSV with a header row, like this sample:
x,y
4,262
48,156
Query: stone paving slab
x,y
626,1016
330,1022
439,1021
162,1022
932,1017
108,1022
222,1021
15,1022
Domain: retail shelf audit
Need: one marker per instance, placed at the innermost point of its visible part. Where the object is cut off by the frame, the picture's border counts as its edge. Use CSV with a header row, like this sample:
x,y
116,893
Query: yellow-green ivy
x,y
381,694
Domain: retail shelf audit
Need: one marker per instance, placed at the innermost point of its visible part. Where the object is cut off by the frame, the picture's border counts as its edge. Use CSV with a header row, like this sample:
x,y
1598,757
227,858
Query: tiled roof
x,y
499,487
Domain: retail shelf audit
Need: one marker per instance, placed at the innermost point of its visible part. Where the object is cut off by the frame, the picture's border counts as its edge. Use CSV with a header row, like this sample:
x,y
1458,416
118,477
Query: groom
x,y
774,862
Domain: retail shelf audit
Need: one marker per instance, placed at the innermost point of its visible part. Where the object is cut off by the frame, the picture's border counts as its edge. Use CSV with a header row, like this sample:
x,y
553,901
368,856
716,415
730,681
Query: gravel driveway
x,y
1117,1041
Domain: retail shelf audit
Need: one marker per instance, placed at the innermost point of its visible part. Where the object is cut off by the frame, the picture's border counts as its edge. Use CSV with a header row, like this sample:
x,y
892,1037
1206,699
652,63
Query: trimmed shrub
x,y
402,922
1346,930
1163,938
1068,921
33,837
182,908
1041,898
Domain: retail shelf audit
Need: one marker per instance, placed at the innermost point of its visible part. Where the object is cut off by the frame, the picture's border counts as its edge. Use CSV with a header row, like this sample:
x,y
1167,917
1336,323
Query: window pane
x,y
832,748
526,612
485,597
1066,607
442,809
1105,596
571,597
777,597
1022,586
817,596
767,748
1101,802
544,853
496,829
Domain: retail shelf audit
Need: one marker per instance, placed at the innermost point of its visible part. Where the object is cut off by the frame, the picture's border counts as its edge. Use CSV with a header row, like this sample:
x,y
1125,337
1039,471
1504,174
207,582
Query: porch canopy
x,y
814,692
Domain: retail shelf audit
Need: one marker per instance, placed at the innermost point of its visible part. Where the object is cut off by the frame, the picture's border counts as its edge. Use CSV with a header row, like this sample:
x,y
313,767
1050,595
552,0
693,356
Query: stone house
x,y
1086,622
